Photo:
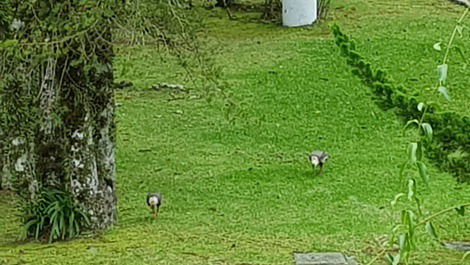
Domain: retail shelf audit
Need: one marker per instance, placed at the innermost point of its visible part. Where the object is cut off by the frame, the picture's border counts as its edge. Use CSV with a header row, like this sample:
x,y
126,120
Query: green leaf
x,y
389,259
28,227
62,225
70,224
396,259
420,106
442,69
467,254
411,122
396,228
419,151
410,240
411,189
53,217
460,210
431,230
461,53
402,216
459,30
405,218
38,228
85,218
427,130
412,152
395,200
423,172
402,170
418,204
77,228
412,217
443,90
402,241
437,46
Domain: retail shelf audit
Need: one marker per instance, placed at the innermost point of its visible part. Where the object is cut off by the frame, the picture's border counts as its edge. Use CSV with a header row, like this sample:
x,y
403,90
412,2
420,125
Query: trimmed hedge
x,y
450,147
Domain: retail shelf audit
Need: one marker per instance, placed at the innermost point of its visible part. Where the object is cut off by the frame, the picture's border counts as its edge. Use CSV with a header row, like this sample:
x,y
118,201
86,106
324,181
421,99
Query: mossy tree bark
x,y
57,97
90,149
4,172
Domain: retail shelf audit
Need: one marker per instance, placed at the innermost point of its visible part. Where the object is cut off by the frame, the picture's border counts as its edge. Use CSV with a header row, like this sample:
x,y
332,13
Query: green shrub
x,y
53,216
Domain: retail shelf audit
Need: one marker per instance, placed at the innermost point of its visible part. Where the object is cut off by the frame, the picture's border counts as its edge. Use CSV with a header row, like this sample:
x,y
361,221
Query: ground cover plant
x,y
240,191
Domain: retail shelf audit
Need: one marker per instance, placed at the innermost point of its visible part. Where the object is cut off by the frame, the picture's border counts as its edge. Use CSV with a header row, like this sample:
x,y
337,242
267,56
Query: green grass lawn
x,y
242,192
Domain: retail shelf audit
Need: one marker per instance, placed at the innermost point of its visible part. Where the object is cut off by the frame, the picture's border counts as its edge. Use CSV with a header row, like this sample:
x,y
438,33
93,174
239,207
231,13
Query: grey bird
x,y
318,158
154,201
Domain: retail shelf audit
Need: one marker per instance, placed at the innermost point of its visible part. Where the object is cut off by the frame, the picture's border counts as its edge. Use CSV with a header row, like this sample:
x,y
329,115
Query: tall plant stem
x,y
441,213
452,37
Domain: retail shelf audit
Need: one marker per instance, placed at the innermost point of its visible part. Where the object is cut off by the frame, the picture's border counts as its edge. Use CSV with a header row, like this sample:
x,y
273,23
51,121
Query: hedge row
x,y
450,147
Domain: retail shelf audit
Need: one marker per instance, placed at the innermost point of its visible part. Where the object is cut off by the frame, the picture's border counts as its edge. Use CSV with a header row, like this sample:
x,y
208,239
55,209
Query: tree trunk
x,y
87,150
5,176
92,151
58,126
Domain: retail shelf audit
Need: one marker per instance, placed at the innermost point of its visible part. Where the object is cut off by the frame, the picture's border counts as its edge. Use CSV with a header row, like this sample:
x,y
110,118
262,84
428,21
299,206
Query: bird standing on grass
x,y
154,200
318,158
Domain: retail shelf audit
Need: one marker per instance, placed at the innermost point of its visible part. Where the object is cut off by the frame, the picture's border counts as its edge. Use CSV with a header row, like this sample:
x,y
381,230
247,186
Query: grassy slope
x,y
242,193
408,54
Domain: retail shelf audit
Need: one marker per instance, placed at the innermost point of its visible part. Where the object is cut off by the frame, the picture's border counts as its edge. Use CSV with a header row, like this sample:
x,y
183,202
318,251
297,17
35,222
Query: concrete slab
x,y
327,258
459,246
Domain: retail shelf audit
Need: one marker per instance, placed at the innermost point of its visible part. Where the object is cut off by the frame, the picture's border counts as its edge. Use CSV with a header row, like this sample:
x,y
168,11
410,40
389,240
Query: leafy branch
x,y
405,231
